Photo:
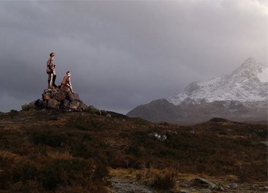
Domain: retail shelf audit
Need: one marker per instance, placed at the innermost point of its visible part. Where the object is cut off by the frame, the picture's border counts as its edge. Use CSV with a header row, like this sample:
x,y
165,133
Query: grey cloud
x,y
122,54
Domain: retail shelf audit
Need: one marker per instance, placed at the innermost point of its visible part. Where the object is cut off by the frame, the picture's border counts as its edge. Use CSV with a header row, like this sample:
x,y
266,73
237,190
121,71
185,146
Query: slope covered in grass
x,y
46,151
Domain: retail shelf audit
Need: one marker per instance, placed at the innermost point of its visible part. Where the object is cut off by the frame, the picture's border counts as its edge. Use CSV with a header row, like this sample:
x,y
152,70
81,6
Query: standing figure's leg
x,y
54,78
49,80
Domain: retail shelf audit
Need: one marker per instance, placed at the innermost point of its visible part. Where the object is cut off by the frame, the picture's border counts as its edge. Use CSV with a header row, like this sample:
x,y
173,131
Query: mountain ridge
x,y
239,96
228,87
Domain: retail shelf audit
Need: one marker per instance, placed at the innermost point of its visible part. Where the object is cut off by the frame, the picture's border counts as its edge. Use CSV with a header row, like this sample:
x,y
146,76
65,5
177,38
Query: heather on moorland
x,y
47,151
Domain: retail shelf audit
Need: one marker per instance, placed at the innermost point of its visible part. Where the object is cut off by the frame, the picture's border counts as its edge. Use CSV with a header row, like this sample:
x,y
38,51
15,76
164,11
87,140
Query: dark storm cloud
x,y
122,54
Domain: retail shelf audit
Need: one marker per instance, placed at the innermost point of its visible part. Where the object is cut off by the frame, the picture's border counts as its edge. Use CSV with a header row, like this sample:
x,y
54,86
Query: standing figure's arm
x,y
50,63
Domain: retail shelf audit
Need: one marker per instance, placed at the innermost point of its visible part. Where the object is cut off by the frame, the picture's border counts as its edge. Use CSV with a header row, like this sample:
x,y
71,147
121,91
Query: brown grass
x,y
70,152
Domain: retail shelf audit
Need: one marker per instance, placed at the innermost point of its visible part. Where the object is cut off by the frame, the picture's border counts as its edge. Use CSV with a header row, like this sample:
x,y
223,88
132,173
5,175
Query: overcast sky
x,y
125,53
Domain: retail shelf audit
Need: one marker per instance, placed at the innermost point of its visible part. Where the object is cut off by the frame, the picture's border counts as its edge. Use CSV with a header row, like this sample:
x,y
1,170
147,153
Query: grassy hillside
x,y
49,151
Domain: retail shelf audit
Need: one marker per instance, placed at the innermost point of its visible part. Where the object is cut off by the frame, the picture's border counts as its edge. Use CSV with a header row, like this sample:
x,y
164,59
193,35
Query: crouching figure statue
x,y
66,84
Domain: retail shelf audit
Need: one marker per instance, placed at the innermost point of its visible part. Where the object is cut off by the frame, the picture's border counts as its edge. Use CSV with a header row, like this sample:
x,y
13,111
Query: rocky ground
x,y
129,186
123,183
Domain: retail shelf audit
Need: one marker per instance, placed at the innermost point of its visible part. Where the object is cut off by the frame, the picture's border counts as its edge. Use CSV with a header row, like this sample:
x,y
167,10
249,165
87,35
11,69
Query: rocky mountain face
x,y
240,96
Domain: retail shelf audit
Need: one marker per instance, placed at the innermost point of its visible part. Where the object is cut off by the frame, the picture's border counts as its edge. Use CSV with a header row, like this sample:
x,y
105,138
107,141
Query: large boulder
x,y
59,96
40,104
64,104
46,96
73,96
204,183
74,105
53,104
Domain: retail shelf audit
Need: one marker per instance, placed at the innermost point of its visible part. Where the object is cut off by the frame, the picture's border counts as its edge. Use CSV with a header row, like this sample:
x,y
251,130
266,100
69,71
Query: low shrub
x,y
66,173
164,181
46,137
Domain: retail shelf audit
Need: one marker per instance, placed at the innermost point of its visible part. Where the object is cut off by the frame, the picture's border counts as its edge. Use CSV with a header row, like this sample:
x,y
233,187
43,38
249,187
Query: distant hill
x,y
240,96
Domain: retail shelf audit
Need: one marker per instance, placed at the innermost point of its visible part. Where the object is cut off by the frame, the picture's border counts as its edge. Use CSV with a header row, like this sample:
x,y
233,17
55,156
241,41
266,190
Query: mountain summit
x,y
246,84
242,95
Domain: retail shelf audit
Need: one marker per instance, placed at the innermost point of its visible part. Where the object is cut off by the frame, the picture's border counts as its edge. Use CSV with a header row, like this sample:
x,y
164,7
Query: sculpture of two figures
x,y
66,85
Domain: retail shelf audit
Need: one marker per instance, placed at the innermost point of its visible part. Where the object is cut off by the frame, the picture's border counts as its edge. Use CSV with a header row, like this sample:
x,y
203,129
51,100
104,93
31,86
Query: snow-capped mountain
x,y
246,84
240,96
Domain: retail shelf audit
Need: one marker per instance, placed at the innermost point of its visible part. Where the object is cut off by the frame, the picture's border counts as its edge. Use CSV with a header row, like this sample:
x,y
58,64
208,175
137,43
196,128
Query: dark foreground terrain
x,y
49,151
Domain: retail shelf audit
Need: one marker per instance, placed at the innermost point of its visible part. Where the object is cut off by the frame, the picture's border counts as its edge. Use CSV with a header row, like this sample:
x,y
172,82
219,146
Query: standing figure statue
x,y
51,71
66,84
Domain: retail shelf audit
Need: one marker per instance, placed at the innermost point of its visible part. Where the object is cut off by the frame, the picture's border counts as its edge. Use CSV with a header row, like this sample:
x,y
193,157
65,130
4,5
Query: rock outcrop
x,y
56,99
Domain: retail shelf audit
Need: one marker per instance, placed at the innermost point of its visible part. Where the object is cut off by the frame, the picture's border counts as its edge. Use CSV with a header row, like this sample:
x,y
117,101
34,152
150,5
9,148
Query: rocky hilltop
x,y
240,96
56,99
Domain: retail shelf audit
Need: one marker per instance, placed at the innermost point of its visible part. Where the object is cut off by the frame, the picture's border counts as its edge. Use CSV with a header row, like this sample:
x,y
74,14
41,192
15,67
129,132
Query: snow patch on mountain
x,y
248,83
263,76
